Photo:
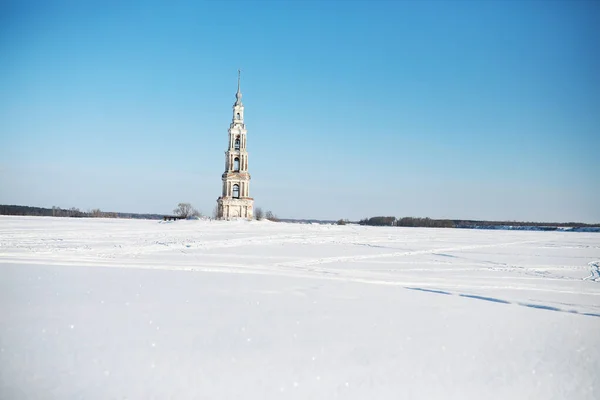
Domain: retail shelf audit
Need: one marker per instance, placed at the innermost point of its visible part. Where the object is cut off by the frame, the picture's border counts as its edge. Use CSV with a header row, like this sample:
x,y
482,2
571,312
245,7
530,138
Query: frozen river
x,y
109,308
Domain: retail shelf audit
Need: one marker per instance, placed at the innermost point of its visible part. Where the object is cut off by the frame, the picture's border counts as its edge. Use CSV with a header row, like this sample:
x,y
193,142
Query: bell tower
x,y
235,201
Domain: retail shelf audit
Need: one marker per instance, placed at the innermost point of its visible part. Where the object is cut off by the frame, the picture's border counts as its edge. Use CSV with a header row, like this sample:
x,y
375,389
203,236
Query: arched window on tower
x,y
236,164
237,143
237,116
236,191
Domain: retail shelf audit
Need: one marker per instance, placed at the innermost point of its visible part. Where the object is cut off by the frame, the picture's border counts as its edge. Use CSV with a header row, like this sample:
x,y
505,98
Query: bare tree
x,y
258,213
271,217
215,213
185,210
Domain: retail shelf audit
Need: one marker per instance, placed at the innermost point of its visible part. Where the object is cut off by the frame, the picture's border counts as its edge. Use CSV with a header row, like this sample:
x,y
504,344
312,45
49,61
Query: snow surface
x,y
261,310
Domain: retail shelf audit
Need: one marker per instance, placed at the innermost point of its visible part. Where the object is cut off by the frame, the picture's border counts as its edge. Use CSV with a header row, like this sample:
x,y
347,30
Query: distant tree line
x,y
378,221
72,212
490,224
455,223
425,222
187,210
408,221
183,211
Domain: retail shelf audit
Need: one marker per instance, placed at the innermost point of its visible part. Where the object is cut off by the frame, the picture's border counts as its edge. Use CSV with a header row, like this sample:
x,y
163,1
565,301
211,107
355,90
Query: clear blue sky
x,y
468,109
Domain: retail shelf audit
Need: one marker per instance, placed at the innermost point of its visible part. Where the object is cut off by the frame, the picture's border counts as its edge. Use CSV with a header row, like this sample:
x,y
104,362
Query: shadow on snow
x,y
501,301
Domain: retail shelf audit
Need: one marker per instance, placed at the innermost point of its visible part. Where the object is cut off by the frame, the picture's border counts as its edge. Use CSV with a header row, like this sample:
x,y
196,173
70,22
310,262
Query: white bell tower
x,y
235,201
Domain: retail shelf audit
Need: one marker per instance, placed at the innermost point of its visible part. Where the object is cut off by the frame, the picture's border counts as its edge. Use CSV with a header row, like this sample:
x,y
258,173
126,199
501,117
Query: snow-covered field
x,y
115,309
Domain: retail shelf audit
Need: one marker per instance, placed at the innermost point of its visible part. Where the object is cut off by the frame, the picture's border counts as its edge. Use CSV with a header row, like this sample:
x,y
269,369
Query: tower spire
x,y
238,95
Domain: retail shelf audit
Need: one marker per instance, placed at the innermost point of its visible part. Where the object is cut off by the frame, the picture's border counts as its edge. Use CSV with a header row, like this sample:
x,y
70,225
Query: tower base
x,y
229,208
